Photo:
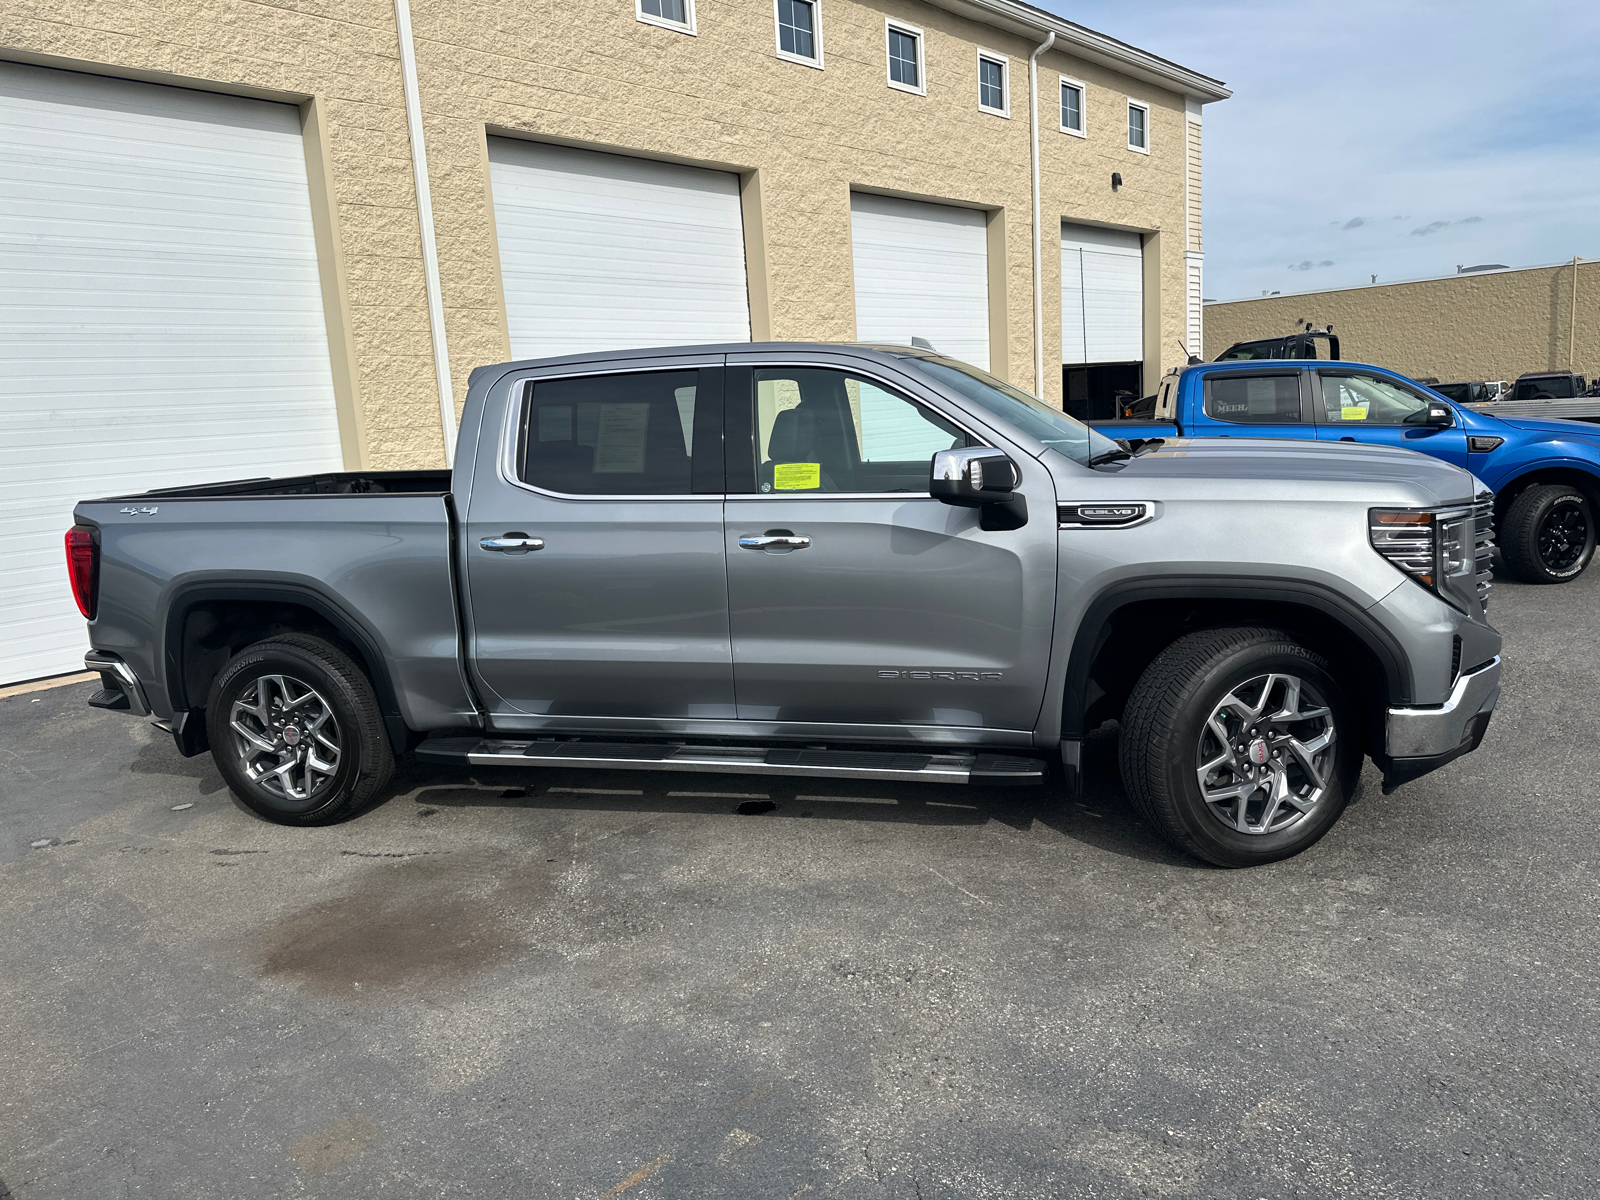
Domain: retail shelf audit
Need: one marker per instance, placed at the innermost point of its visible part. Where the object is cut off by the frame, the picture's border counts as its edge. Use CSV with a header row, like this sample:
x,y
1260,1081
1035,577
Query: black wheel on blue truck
x,y
1239,745
296,731
1548,534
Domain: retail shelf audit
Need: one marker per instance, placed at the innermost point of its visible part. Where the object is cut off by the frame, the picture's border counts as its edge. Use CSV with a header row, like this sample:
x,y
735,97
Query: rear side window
x,y
610,435
1254,399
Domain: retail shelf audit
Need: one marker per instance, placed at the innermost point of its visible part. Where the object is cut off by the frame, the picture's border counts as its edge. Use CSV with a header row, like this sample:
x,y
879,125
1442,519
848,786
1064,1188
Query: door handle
x,y
774,539
513,543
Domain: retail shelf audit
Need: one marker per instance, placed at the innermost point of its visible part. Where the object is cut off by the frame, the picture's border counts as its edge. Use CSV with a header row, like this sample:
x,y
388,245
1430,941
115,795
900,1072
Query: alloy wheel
x,y
1563,535
1266,755
286,736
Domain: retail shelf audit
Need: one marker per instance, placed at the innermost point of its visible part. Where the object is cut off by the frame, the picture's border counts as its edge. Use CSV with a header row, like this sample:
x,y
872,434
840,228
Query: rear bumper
x,y
1420,740
120,689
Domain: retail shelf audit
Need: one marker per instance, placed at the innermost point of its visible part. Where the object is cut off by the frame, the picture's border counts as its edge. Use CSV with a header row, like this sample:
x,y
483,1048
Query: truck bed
x,y
1578,408
338,483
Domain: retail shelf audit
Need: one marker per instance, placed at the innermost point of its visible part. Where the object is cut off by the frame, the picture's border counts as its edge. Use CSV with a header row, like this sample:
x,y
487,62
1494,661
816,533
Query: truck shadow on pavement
x,y
1101,818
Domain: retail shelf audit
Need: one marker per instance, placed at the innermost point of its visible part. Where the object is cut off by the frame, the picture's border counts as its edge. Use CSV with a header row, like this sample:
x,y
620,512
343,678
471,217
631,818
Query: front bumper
x,y
1419,740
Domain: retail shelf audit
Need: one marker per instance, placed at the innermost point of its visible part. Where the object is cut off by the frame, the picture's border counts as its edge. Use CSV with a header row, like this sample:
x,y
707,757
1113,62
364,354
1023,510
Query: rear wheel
x,y
1238,745
296,731
1548,535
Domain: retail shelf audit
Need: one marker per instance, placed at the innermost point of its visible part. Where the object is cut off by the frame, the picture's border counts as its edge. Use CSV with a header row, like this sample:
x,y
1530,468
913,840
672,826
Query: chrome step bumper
x,y
908,766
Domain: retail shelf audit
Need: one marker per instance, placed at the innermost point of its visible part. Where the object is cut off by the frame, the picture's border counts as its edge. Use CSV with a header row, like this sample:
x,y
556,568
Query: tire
x,y
1168,745
1548,535
318,763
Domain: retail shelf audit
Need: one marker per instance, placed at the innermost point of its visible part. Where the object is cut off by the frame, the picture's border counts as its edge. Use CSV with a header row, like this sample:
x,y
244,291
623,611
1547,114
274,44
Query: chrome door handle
x,y
513,543
774,541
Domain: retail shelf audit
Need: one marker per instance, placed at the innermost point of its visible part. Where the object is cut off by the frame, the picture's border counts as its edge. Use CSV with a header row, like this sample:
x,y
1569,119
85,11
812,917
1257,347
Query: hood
x,y
1305,463
1552,426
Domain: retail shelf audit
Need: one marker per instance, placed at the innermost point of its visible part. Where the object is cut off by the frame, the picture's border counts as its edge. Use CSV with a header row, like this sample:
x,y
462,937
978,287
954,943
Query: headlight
x,y
1446,550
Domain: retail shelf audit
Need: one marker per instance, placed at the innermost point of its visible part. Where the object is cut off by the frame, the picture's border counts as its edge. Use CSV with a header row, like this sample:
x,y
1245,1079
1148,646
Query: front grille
x,y
1483,531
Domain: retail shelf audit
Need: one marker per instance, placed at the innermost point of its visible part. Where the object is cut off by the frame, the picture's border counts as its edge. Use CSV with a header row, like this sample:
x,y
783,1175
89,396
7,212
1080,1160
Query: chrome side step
x,y
909,766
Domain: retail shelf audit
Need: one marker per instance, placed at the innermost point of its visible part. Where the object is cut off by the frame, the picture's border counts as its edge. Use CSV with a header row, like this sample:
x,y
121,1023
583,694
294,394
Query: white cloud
x,y
1476,117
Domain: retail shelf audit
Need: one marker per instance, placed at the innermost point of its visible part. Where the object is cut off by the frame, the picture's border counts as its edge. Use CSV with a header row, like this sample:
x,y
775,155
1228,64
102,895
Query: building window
x,y
799,32
993,86
1138,127
905,58
1072,94
670,14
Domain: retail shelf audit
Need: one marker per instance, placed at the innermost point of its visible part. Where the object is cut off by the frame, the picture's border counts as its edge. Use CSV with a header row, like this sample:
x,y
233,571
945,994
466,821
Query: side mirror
x,y
983,479
1439,416
972,478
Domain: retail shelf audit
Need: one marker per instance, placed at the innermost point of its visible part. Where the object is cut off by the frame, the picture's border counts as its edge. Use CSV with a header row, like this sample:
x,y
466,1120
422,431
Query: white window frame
x,y
922,57
816,36
661,22
1144,108
1004,63
1068,81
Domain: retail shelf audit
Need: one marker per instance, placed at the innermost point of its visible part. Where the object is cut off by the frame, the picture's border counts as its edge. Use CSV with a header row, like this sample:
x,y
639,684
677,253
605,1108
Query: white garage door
x,y
1102,295
160,318
606,252
922,270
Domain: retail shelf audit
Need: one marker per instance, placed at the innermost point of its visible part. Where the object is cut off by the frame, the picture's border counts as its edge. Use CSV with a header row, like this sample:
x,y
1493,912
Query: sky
x,y
1397,139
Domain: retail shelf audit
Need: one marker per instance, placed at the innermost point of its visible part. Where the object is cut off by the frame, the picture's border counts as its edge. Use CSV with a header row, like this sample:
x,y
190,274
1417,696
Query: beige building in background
x,y
1489,325
713,92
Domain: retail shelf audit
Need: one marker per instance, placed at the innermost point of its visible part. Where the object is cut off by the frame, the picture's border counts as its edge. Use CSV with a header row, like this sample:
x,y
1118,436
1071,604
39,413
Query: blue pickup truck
x,y
1545,473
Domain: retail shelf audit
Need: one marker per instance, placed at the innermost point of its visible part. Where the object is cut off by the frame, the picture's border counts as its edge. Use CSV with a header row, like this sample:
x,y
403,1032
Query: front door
x,y
854,597
1361,406
595,570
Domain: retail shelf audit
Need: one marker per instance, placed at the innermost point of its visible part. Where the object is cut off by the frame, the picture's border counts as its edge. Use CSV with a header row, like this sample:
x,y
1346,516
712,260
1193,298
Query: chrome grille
x,y
1483,531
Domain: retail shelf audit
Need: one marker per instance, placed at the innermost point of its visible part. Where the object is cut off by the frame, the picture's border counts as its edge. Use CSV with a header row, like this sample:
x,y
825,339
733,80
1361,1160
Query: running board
x,y
907,766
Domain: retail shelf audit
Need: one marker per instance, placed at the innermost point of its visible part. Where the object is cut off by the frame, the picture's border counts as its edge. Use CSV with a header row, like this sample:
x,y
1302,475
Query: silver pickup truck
x,y
813,560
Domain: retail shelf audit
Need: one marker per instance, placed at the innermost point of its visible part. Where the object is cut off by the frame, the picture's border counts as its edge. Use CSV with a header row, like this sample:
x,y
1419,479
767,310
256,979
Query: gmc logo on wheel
x,y
946,676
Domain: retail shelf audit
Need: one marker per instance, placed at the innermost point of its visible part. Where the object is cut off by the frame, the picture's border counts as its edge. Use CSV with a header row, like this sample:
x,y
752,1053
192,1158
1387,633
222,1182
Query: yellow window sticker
x,y
796,477
1353,412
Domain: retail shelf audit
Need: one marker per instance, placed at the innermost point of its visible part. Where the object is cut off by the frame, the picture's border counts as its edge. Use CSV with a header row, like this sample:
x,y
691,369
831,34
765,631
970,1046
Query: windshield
x,y
1032,416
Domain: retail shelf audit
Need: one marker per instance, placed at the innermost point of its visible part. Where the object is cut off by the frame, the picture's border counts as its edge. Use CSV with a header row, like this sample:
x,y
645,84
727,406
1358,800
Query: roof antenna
x,y
923,344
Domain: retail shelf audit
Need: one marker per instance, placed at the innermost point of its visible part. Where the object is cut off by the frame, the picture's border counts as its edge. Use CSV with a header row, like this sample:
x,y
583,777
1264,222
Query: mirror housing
x,y
1440,415
983,479
972,478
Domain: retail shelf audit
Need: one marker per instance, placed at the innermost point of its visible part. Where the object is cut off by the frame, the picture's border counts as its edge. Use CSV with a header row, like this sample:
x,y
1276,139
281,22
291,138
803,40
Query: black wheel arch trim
x,y
1354,620
373,661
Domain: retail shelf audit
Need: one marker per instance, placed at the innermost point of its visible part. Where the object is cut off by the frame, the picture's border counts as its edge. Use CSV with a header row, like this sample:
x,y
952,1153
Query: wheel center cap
x,y
291,735
1257,751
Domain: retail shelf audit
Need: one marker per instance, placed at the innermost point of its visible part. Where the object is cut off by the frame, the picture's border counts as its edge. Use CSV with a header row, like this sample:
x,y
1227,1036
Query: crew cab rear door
x,y
855,597
1256,402
1353,405
595,581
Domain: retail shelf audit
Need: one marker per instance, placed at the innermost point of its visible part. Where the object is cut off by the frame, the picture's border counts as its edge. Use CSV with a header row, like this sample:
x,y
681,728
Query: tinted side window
x,y
821,430
610,435
1254,399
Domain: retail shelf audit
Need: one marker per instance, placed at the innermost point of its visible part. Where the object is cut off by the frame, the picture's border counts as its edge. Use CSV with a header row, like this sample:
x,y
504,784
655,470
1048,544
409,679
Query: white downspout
x,y
430,250
1038,255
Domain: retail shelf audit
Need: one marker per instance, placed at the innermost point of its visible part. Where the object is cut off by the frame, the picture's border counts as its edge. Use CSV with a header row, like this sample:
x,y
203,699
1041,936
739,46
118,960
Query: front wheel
x,y
1239,746
1548,535
296,732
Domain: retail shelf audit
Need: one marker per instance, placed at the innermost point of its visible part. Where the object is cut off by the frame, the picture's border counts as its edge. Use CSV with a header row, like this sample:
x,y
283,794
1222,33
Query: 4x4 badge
x,y
143,510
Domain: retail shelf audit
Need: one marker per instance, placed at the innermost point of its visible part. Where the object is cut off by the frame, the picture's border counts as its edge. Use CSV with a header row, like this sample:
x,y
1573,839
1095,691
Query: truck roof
x,y
885,349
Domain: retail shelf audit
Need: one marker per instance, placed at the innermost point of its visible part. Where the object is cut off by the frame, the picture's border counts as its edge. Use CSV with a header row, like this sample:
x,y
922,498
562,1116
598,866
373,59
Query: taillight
x,y
83,567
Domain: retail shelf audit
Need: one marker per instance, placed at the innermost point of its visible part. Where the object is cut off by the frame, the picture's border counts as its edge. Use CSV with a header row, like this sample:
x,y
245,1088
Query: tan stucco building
x,y
223,261
594,74
1489,325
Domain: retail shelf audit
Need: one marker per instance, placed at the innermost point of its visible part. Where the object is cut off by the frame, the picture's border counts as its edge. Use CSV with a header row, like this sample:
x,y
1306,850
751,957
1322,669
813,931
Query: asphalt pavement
x,y
593,984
